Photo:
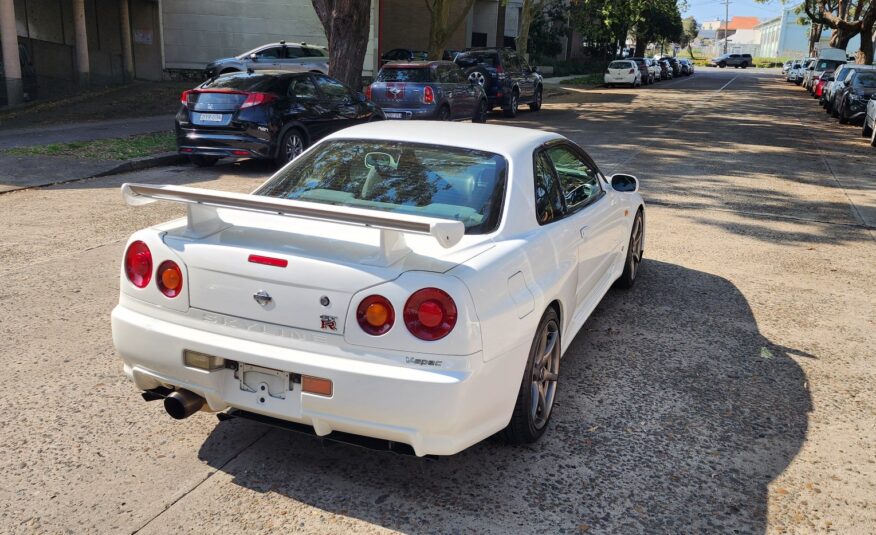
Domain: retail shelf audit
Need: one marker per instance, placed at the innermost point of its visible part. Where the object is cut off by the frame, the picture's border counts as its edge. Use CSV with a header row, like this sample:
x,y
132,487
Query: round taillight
x,y
375,315
138,264
170,279
430,314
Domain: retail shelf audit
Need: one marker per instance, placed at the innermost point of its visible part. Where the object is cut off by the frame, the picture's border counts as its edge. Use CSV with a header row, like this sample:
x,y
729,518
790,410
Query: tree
x,y
690,31
346,24
442,26
531,9
657,20
548,30
847,18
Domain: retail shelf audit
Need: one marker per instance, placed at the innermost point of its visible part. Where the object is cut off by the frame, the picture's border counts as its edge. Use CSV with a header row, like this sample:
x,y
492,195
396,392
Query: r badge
x,y
328,322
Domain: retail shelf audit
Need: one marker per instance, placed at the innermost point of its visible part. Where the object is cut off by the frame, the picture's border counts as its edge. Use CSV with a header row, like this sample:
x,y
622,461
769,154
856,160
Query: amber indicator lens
x,y
316,385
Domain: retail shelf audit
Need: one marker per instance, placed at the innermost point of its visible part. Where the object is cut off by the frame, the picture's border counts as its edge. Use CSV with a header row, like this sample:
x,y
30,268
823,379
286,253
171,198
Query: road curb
x,y
136,164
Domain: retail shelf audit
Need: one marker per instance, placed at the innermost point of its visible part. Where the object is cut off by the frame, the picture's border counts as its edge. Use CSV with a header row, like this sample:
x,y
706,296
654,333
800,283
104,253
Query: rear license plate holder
x,y
394,115
264,383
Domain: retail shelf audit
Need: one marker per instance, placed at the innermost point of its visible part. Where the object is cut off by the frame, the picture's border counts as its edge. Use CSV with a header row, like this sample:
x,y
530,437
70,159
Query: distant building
x,y
785,37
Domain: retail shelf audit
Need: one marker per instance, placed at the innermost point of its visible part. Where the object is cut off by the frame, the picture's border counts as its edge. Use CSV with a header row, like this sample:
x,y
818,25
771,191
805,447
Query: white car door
x,y
595,216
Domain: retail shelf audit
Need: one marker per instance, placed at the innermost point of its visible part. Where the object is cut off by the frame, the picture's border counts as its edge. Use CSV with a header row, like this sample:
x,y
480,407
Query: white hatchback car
x,y
414,283
623,71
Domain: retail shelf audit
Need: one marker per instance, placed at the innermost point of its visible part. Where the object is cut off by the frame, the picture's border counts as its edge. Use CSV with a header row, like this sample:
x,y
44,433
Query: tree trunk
x,y
814,37
864,55
346,24
530,9
442,27
840,38
640,47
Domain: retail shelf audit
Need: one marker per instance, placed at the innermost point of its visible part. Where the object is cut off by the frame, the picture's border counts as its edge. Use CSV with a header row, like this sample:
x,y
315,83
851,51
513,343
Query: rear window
x,y
828,64
865,79
619,65
406,178
241,81
419,74
471,59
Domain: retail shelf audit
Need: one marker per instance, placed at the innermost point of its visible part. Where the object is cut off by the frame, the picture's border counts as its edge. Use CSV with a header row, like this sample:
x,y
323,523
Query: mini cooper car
x,y
414,283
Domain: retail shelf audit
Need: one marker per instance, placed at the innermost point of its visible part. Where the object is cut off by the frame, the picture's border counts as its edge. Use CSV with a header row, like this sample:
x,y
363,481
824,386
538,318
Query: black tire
x,y
722,65
833,111
873,137
866,130
535,105
443,114
292,144
479,75
634,253
538,388
843,117
744,65
513,104
481,111
203,161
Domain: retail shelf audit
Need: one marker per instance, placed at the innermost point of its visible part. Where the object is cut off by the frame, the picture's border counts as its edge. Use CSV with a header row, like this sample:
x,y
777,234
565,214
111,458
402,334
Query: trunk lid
x,y
213,108
322,260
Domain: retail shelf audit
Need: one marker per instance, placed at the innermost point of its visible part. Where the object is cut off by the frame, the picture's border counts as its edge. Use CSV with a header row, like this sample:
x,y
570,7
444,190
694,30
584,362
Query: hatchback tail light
x,y
170,279
375,315
184,98
430,314
500,72
428,95
368,92
632,71
257,99
138,264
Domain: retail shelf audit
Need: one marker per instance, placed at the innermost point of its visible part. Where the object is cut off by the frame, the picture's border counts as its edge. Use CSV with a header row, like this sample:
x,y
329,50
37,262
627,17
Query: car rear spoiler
x,y
203,218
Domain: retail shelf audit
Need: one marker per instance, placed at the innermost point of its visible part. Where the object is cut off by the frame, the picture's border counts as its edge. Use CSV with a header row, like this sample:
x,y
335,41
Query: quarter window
x,y
303,88
578,180
548,197
333,90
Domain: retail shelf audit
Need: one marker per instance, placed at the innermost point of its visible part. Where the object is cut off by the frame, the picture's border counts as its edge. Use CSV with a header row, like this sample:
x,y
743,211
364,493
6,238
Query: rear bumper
x,y
410,113
223,144
436,411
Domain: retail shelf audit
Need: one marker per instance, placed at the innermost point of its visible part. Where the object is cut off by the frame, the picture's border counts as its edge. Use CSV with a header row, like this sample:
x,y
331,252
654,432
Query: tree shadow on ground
x,y
674,414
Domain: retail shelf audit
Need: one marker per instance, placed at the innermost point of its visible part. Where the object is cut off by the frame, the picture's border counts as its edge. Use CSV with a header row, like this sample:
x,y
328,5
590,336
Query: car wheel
x,y
634,253
873,137
477,75
744,65
722,65
292,145
843,118
443,114
481,112
866,130
833,110
536,104
538,389
511,110
203,161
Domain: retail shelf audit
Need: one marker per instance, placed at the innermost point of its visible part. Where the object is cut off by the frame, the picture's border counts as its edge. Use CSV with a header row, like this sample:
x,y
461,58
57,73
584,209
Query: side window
x,y
269,53
333,90
456,75
548,197
580,181
293,52
441,74
303,88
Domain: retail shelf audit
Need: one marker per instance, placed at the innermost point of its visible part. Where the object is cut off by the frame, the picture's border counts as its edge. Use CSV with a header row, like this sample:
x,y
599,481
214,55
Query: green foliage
x,y
548,30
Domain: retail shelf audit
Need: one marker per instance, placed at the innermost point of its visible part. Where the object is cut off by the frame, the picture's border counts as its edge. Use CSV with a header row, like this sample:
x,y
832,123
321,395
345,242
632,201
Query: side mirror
x,y
253,57
624,183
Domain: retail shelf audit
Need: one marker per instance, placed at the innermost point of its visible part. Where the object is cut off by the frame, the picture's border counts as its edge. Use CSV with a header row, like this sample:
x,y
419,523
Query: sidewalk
x,y
84,131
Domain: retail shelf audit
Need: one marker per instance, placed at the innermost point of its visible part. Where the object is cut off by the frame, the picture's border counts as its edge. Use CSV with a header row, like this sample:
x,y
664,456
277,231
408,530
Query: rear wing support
x,y
203,218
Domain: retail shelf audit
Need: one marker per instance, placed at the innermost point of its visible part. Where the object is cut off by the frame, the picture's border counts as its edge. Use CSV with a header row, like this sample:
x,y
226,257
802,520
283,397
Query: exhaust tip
x,y
181,404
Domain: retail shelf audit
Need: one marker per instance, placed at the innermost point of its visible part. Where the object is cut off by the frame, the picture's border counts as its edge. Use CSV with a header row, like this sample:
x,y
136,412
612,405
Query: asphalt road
x,y
732,390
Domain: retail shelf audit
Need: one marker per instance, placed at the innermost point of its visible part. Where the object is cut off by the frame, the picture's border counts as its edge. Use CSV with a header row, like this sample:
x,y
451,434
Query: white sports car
x,y
415,284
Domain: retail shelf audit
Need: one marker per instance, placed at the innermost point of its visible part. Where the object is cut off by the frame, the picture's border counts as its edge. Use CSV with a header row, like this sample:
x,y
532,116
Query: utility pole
x,y
726,22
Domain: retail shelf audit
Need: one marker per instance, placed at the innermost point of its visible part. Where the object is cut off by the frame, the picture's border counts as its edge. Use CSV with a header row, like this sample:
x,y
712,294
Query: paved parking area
x,y
731,390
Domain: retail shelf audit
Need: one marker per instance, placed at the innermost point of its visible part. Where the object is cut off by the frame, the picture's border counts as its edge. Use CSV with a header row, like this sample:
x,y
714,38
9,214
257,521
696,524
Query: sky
x,y
704,10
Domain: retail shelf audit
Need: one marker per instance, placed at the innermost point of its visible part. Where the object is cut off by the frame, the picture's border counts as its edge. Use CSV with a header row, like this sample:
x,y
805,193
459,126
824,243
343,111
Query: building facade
x,y
785,37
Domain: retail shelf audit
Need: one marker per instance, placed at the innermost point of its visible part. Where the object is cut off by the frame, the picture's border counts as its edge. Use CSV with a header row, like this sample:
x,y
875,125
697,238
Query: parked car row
x,y
645,71
275,101
844,90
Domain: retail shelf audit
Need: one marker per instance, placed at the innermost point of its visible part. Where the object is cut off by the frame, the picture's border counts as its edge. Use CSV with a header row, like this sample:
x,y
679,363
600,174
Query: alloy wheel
x,y
636,247
294,146
545,372
478,78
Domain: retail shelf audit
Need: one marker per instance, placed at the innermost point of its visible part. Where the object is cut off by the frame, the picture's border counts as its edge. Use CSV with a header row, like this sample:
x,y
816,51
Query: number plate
x,y
391,115
211,117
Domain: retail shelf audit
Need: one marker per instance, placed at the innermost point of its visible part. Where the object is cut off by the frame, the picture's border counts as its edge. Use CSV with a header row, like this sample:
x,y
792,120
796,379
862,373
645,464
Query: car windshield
x,y
391,74
471,59
619,65
406,178
866,79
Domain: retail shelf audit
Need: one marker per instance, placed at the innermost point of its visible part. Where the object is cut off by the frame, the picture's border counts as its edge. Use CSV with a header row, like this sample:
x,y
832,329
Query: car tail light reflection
x,y
430,314
428,95
138,264
257,99
170,279
375,315
368,92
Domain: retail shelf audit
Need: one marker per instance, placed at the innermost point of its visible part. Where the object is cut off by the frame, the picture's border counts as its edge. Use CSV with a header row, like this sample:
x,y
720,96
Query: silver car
x,y
282,56
437,90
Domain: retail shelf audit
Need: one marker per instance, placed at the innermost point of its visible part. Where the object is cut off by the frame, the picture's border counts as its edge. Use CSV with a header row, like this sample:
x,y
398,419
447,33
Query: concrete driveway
x,y
731,390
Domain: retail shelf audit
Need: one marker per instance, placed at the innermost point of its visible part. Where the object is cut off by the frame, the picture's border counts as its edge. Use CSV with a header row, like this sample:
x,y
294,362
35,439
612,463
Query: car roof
x,y
417,64
487,137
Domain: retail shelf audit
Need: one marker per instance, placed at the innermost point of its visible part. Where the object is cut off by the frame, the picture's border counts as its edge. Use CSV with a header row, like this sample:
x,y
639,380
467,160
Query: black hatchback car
x,y
265,114
506,78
